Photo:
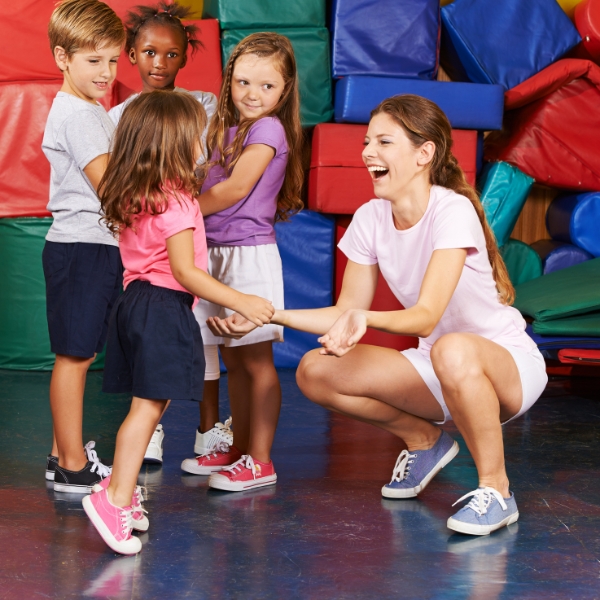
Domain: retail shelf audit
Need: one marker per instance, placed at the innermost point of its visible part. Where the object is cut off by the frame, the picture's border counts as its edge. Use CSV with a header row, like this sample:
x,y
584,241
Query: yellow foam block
x,y
195,5
569,6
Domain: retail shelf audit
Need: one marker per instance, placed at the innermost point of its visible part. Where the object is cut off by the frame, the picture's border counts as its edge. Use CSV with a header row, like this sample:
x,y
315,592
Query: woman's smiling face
x,y
392,160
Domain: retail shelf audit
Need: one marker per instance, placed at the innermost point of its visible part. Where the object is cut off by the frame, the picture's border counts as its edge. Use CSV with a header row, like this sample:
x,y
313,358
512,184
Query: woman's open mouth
x,y
377,172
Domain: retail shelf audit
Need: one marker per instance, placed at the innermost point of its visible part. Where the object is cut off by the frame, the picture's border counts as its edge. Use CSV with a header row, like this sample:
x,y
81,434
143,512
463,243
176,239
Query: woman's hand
x,y
234,326
345,333
256,309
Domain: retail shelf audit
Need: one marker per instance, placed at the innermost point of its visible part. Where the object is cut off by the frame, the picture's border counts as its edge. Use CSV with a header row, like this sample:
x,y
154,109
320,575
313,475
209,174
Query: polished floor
x,y
323,531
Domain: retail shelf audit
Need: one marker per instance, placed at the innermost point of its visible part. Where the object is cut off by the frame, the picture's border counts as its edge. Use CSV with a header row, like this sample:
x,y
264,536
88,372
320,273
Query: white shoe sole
x,y
128,547
220,482
472,529
49,475
71,488
190,465
388,492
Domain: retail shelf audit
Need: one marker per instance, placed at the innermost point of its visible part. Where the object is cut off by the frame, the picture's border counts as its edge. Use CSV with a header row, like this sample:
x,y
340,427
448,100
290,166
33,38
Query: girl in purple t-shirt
x,y
254,178
475,364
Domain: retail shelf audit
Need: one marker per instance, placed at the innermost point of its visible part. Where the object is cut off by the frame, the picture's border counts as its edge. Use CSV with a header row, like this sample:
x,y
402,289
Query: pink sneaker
x,y
222,456
139,521
113,523
245,474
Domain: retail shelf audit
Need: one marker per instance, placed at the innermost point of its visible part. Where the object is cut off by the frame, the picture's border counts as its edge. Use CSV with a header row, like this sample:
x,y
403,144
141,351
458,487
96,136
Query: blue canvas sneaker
x,y
486,512
414,470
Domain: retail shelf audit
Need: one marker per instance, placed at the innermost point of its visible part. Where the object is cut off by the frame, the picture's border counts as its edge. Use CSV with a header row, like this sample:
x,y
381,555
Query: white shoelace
x,y
482,498
221,447
126,515
238,465
92,456
401,470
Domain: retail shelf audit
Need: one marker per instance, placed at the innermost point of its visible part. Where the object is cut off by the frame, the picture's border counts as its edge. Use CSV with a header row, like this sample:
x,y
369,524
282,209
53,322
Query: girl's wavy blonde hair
x,y
287,110
424,121
154,155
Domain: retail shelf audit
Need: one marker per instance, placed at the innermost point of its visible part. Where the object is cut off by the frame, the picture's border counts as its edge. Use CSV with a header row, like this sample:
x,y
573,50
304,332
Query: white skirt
x,y
251,270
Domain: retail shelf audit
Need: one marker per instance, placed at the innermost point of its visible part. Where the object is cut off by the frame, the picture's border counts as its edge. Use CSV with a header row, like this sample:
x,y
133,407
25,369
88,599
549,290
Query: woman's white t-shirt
x,y
450,221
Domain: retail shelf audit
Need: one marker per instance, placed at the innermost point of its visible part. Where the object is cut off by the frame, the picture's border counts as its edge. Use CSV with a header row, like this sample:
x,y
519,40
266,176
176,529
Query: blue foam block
x,y
551,342
306,244
467,105
575,218
378,37
487,41
559,255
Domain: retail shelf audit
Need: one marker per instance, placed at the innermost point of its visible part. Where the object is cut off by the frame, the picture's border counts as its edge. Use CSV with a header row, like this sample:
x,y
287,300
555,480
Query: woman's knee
x,y
454,358
313,376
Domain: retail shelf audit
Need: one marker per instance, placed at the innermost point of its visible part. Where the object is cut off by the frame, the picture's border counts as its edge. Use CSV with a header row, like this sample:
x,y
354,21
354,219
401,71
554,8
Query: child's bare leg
x,y
254,378
66,402
238,384
209,407
132,440
54,451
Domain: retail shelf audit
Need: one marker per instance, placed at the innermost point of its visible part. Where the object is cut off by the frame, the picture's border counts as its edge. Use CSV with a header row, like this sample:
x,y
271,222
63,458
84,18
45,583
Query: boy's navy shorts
x,y
83,281
154,348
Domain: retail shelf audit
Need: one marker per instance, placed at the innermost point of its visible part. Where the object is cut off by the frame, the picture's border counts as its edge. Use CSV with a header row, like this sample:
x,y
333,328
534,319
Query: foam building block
x,y
203,71
338,180
375,37
467,105
506,42
569,6
266,14
551,125
522,261
552,342
305,244
24,341
575,218
384,299
587,21
504,190
311,47
580,325
559,255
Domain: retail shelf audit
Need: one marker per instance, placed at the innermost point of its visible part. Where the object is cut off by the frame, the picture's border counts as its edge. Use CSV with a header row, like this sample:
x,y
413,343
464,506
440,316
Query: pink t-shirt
x,y
144,248
450,221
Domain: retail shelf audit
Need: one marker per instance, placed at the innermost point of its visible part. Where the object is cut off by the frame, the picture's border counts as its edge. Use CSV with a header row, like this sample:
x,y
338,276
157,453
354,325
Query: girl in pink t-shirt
x,y
154,347
475,364
254,178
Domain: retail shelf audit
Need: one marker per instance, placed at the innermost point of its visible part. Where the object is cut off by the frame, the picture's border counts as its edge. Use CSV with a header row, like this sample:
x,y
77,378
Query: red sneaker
x,y
112,522
139,521
245,474
222,456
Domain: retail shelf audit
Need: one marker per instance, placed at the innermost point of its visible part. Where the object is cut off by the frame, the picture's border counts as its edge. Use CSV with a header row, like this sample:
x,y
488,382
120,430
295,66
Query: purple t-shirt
x,y
250,221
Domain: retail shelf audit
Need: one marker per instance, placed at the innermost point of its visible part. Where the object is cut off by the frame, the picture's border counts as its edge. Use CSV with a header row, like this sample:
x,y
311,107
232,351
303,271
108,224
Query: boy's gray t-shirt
x,y
76,133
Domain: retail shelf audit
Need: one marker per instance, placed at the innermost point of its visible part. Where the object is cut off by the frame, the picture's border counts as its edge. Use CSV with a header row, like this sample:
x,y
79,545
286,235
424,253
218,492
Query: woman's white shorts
x,y
531,366
249,269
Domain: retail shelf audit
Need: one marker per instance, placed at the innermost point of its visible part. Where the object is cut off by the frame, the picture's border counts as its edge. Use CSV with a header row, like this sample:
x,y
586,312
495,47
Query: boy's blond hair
x,y
84,25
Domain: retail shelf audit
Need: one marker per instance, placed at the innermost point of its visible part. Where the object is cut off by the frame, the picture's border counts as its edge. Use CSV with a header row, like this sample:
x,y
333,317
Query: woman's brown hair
x,y
424,121
287,110
154,155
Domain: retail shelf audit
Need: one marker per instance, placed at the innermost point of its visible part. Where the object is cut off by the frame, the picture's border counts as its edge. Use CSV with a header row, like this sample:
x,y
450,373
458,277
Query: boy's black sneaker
x,y
51,462
78,482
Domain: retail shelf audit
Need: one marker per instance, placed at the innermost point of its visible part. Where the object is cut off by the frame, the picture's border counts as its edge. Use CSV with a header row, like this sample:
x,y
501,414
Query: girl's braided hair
x,y
164,14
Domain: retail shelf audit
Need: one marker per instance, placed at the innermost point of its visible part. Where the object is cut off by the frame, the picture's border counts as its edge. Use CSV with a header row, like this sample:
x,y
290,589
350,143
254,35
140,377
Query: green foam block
x,y
568,292
242,14
311,47
522,261
24,340
582,325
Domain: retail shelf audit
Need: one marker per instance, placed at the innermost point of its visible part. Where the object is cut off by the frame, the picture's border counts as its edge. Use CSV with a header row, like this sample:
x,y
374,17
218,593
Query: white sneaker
x,y
154,451
207,442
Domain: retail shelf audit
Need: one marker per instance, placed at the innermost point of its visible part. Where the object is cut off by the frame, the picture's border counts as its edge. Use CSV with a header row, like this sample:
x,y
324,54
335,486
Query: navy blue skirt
x,y
154,348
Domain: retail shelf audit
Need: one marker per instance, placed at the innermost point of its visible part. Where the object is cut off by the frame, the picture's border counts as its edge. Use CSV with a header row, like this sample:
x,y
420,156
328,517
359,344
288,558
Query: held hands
x,y
234,326
257,310
345,333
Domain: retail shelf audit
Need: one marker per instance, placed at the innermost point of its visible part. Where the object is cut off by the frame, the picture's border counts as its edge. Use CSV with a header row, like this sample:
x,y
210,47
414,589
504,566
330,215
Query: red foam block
x,y
339,182
551,126
587,21
384,299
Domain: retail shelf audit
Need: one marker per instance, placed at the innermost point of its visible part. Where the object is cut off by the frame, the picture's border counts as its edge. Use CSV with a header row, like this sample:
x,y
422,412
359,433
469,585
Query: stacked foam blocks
x,y
549,136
